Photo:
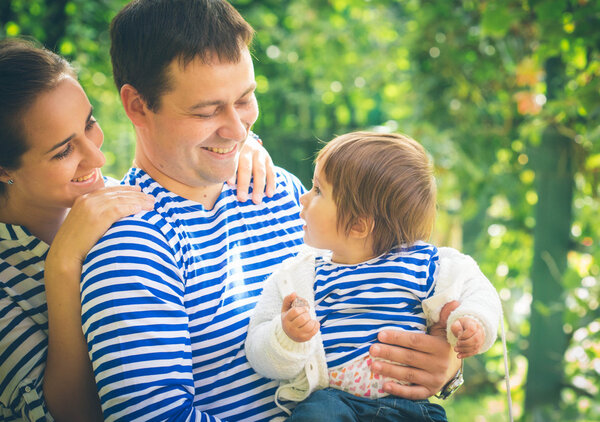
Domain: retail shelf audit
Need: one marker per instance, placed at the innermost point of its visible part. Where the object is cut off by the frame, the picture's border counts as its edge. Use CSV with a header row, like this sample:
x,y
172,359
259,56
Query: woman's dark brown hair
x,y
26,71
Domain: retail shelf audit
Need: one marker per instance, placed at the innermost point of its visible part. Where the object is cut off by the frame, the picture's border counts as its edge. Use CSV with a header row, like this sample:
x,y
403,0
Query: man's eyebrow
x,y
64,141
203,104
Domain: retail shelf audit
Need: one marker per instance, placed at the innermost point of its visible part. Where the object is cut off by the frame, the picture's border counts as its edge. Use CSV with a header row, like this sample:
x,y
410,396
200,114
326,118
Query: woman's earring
x,y
10,181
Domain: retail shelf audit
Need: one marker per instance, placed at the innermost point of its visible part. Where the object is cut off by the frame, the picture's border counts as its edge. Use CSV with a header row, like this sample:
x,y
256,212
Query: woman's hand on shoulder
x,y
91,216
254,163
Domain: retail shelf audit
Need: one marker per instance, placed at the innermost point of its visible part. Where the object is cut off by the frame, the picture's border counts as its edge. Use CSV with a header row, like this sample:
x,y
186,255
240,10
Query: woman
x,y
52,193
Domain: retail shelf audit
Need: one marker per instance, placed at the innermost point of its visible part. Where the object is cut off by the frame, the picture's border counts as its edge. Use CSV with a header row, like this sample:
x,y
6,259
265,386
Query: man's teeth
x,y
220,150
84,178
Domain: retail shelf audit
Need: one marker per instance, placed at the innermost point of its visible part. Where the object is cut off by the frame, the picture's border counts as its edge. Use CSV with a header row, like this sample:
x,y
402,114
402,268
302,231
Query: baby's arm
x,y
459,278
270,351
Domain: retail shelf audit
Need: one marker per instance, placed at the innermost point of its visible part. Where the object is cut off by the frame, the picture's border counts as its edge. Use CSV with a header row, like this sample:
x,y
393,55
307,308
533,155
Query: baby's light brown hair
x,y
385,177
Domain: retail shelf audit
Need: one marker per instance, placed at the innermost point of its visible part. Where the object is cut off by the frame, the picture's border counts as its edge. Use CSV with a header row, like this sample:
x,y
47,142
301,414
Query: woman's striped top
x,y
23,325
167,296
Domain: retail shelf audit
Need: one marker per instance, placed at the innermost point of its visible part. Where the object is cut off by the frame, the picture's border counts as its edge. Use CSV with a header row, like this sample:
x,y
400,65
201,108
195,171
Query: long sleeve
x,y
270,352
301,367
23,346
23,325
459,278
136,325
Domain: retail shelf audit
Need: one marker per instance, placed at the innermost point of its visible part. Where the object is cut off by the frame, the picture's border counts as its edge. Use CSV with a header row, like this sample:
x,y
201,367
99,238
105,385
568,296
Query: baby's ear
x,y
362,227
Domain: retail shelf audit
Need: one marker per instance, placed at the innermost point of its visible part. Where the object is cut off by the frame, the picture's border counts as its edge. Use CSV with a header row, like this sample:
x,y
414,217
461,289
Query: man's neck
x,y
205,195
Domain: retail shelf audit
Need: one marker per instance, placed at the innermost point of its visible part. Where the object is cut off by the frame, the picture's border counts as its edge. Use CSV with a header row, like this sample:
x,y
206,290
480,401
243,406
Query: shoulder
x,y
451,260
417,253
287,181
142,224
145,233
305,258
109,181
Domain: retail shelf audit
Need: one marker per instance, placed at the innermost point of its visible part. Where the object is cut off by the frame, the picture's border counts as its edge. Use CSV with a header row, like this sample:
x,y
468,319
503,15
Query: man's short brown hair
x,y
386,178
147,35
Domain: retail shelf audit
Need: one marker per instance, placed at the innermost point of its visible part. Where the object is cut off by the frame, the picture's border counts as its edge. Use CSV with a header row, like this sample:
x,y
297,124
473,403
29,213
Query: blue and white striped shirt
x,y
23,325
355,302
166,299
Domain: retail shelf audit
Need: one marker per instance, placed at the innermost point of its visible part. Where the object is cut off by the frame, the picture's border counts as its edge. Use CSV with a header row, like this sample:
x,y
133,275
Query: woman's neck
x,y
43,223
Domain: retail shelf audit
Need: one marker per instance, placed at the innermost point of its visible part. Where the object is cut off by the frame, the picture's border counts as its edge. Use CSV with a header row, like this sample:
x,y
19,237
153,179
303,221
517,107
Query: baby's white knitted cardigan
x,y
302,368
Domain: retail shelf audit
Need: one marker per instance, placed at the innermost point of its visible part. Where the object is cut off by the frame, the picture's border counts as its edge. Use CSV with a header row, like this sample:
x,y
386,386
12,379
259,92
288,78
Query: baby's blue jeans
x,y
334,405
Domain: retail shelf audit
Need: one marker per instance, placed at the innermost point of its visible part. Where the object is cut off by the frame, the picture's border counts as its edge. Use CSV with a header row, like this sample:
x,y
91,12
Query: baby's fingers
x,y
465,349
299,317
287,302
312,328
307,331
457,328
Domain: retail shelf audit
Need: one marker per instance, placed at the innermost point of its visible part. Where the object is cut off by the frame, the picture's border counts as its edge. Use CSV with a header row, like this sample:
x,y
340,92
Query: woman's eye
x,y
64,152
90,124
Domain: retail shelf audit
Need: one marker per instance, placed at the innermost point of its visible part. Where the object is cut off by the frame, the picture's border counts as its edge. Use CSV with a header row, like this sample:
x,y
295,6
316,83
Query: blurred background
x,y
505,95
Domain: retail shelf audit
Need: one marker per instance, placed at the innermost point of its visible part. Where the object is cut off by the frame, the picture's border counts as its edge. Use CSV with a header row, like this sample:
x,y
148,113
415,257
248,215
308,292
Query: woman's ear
x,y
362,227
134,105
4,176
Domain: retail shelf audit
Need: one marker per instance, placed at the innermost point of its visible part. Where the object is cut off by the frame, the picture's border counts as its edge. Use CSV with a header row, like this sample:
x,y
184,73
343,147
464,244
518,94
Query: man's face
x,y
195,136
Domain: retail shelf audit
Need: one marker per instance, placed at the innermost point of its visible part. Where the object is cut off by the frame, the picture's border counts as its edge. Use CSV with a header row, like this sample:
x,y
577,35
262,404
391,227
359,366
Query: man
x,y
167,294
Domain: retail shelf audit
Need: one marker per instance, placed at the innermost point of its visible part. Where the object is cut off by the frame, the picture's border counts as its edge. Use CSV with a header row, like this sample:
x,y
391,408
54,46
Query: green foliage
x,y
464,77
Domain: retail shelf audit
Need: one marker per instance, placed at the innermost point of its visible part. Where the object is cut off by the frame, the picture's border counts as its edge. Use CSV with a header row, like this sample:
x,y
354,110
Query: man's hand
x,y
296,320
429,359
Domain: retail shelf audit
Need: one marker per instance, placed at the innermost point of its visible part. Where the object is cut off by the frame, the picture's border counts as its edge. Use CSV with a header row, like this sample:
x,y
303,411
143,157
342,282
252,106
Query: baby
x,y
366,268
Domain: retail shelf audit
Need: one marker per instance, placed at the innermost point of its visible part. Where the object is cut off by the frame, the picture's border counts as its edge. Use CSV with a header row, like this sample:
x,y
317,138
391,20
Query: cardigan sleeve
x,y
459,278
269,350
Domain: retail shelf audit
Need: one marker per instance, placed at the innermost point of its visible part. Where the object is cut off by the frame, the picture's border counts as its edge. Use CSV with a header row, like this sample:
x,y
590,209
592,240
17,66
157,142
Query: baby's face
x,y
319,212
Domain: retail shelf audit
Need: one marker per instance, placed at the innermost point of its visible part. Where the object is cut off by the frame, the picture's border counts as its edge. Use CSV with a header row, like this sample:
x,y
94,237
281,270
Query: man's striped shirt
x,y
166,299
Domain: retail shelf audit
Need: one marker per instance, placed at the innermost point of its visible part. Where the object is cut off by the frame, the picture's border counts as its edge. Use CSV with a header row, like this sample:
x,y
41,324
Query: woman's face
x,y
64,159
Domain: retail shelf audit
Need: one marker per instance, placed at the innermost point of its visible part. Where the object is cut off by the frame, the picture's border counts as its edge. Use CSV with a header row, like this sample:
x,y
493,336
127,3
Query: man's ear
x,y
362,227
134,105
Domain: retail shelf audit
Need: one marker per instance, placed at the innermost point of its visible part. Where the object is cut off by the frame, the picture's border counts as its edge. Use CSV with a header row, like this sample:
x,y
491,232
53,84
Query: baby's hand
x,y
296,320
470,337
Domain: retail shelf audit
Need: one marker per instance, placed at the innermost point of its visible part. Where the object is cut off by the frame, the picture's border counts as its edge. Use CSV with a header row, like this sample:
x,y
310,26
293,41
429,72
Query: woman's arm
x,y
69,387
